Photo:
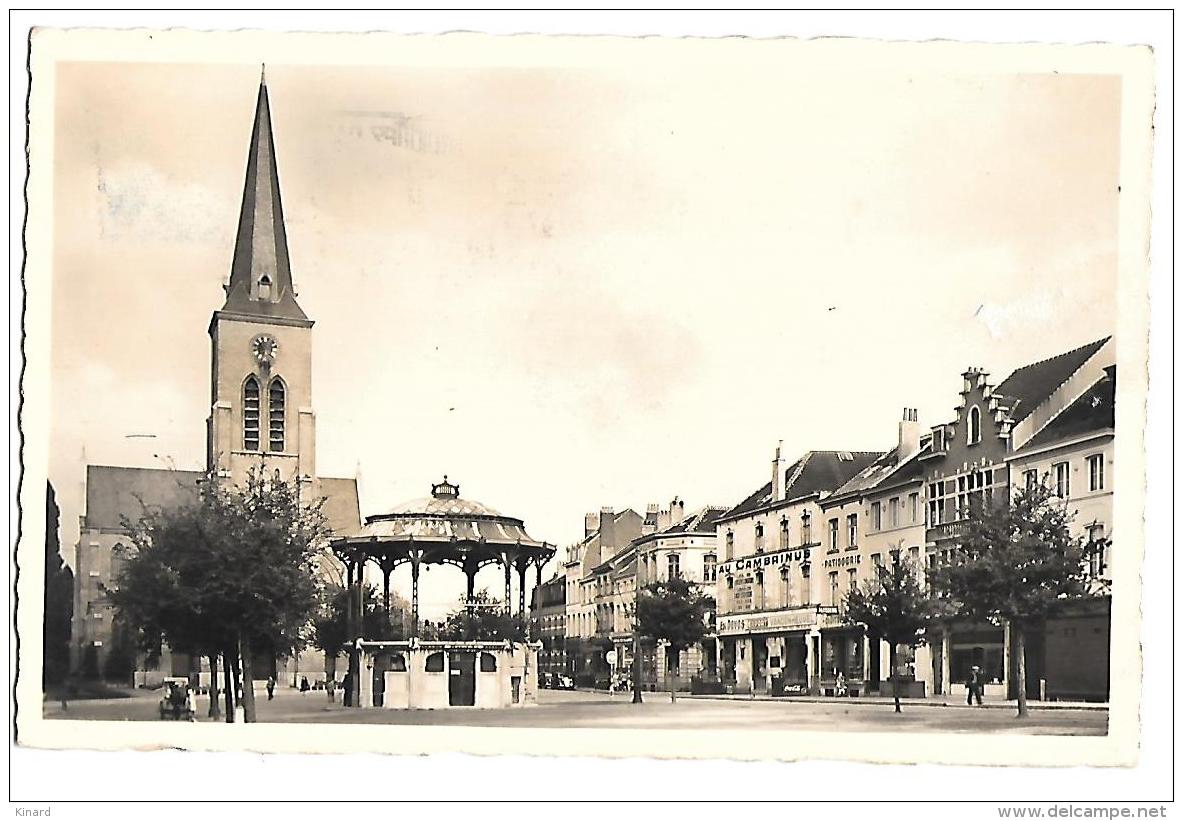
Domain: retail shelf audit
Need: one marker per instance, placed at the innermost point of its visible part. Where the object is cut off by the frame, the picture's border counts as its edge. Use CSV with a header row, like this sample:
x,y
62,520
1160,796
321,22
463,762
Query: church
x,y
260,417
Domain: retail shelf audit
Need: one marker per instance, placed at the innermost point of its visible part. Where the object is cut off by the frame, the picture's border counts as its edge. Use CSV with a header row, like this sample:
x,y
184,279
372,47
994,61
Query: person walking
x,y
304,686
974,685
270,687
331,686
191,703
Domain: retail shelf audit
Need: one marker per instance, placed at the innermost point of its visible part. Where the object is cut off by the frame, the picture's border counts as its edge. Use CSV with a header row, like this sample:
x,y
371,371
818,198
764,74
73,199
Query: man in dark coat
x,y
974,684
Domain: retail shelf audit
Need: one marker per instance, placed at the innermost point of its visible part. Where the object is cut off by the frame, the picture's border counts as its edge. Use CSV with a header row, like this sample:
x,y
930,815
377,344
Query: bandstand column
x,y
415,594
508,584
522,568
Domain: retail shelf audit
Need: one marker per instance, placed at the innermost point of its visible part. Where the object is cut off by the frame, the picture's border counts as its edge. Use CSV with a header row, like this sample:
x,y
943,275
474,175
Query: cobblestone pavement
x,y
585,709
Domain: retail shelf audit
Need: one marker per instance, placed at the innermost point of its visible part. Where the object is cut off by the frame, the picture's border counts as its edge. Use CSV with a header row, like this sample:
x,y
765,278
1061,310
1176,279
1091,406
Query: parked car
x,y
565,683
174,702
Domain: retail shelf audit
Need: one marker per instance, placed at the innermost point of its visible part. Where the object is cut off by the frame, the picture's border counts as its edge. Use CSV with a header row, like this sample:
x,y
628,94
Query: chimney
x,y
591,521
663,520
677,511
909,434
607,533
652,518
778,475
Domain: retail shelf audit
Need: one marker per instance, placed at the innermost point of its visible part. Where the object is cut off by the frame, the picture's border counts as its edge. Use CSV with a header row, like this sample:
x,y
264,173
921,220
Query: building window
x,y
833,535
834,588
1097,471
975,425
938,440
730,541
852,578
1096,548
250,414
434,663
1030,479
876,517
1061,471
936,504
893,507
759,537
710,568
784,532
805,592
806,528
914,555
852,530
674,566
876,559
275,410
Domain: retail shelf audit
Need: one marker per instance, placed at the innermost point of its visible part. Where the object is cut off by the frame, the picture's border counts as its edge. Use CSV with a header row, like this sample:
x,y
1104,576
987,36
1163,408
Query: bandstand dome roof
x,y
443,518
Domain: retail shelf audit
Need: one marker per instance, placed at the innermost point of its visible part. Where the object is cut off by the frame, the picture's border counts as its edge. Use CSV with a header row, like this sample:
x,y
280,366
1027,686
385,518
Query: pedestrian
x,y
974,685
840,684
270,687
331,686
66,685
191,703
304,686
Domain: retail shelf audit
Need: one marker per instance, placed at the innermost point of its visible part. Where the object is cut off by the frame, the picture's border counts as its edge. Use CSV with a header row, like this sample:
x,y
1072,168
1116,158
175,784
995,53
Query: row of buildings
x,y
778,563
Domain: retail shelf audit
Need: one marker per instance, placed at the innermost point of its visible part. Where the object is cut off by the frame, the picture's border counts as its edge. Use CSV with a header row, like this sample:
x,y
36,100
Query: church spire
x,y
260,275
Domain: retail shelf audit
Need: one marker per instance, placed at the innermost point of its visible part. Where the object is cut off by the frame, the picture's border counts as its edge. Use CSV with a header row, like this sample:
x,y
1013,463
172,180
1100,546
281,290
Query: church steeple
x,y
260,275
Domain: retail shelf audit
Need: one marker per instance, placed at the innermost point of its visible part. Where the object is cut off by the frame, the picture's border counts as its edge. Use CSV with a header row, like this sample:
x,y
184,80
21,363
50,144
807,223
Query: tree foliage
x,y
1017,561
330,629
227,573
487,621
674,611
59,599
893,606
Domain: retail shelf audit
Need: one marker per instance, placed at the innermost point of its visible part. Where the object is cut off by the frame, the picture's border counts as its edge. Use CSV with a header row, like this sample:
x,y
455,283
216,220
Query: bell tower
x,y
261,341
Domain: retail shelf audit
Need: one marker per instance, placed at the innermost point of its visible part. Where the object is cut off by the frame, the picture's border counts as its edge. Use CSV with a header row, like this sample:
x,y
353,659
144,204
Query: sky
x,y
598,283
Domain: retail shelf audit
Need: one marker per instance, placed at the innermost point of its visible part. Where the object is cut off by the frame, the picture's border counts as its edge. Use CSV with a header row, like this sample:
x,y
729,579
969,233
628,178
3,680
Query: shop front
x,y
843,663
774,651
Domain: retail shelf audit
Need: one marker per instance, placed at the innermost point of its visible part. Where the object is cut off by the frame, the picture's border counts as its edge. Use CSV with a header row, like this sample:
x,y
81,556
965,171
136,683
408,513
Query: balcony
x,y
946,530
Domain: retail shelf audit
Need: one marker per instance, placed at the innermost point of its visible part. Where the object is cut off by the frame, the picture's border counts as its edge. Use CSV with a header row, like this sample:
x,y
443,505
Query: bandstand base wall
x,y
428,675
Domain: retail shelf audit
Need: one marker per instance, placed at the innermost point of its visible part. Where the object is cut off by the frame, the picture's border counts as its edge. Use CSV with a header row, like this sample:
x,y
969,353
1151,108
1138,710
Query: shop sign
x,y
796,619
844,561
762,560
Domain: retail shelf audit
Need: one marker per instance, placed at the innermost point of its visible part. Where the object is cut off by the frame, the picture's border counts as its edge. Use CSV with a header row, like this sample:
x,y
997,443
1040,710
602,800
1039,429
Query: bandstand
x,y
442,529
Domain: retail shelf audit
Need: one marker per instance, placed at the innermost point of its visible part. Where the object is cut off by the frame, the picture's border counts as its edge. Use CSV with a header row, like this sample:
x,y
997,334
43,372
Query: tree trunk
x,y
636,667
229,675
248,683
1021,658
669,672
214,710
895,677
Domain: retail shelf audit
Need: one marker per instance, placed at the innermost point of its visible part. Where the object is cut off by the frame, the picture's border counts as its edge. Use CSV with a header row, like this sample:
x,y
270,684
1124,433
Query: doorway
x,y
461,679
759,662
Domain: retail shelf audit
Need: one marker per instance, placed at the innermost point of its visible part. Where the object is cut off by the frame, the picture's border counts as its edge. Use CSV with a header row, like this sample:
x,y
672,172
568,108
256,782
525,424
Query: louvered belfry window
x,y
250,414
275,412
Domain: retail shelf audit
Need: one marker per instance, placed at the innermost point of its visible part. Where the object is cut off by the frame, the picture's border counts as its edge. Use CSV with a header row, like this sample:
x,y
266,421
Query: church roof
x,y
117,493
261,245
114,494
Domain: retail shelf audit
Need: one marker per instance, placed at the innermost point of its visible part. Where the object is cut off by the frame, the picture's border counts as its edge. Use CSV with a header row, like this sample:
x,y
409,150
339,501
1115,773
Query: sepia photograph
x,y
748,398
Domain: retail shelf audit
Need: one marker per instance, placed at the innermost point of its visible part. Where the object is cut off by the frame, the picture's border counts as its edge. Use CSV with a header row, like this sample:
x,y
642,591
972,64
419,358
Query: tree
x,y
1018,563
59,599
894,607
330,629
674,611
486,620
230,572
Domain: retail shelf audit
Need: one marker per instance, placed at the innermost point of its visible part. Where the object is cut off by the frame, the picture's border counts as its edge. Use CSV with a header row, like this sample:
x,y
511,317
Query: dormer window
x,y
975,425
938,440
